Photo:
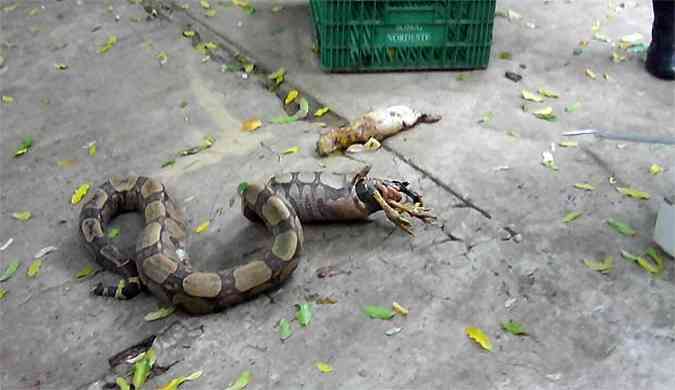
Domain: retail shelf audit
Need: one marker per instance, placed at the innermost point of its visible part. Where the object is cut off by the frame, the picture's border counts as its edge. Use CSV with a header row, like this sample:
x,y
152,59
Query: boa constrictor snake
x,y
162,266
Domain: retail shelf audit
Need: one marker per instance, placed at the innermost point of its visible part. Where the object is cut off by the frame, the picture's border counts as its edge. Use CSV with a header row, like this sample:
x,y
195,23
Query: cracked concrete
x,y
586,329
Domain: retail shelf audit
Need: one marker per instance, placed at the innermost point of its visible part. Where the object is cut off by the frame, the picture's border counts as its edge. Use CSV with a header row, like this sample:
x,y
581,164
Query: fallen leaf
x,y
604,266
633,193
621,228
86,272
66,163
291,150
527,95
45,251
545,113
400,309
241,382
210,13
162,57
251,124
606,76
34,268
505,55
80,193
112,41
204,226
92,149
176,382
205,4
568,144
25,146
571,216
598,36
573,107
22,216
292,95
591,74
113,232
378,312
245,5
304,314
303,110
122,383
548,93
3,293
372,144
7,99
486,118
160,313
277,8
584,186
282,120
11,269
548,161
61,66
248,68
168,163
514,328
596,26
393,331
326,301
655,169
656,256
285,330
278,76
479,337
243,187
188,33
630,40
324,367
647,265
142,368
321,112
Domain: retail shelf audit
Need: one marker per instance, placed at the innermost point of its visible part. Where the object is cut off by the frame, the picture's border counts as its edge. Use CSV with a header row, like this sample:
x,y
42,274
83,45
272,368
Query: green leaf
x,y
633,193
584,186
621,228
604,266
25,146
188,33
141,371
278,76
321,112
514,328
80,193
11,269
122,383
168,163
304,314
86,272
243,186
573,107
654,269
548,93
112,41
162,312
34,268
291,150
174,383
205,4
285,330
113,232
7,99
303,110
378,312
22,216
241,382
545,114
92,149
283,120
571,216
527,95
3,293
658,259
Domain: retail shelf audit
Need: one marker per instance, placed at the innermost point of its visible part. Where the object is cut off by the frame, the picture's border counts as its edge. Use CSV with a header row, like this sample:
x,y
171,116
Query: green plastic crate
x,y
376,35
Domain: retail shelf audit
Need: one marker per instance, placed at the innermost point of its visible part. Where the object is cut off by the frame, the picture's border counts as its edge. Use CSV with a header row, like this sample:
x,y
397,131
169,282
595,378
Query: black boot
x,y
661,54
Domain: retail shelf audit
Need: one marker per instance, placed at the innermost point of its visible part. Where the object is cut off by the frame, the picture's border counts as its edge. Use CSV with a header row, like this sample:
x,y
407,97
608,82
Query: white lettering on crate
x,y
408,33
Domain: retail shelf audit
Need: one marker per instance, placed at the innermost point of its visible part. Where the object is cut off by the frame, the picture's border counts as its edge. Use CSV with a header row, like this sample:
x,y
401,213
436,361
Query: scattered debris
x,y
7,244
513,76
548,161
393,331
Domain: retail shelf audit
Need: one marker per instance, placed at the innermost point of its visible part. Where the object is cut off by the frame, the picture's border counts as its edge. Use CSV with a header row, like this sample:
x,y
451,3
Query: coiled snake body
x,y
161,264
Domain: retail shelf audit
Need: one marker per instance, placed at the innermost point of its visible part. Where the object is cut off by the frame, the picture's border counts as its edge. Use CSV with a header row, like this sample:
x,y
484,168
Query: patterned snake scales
x,y
161,264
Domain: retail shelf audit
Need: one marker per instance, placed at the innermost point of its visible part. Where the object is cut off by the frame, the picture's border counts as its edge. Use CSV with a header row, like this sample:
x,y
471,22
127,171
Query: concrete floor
x,y
587,330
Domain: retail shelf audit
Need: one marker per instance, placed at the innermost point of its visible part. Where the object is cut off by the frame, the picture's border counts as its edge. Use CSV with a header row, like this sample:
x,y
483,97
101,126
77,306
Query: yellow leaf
x,y
548,93
292,95
321,112
596,26
205,4
80,193
174,383
162,57
545,113
527,95
324,367
188,33
479,337
601,266
655,169
3,293
251,124
204,226
112,41
61,66
571,216
568,144
584,186
86,272
160,313
34,268
210,13
248,68
633,193
22,216
7,99
92,150
372,144
591,74
292,150
400,309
